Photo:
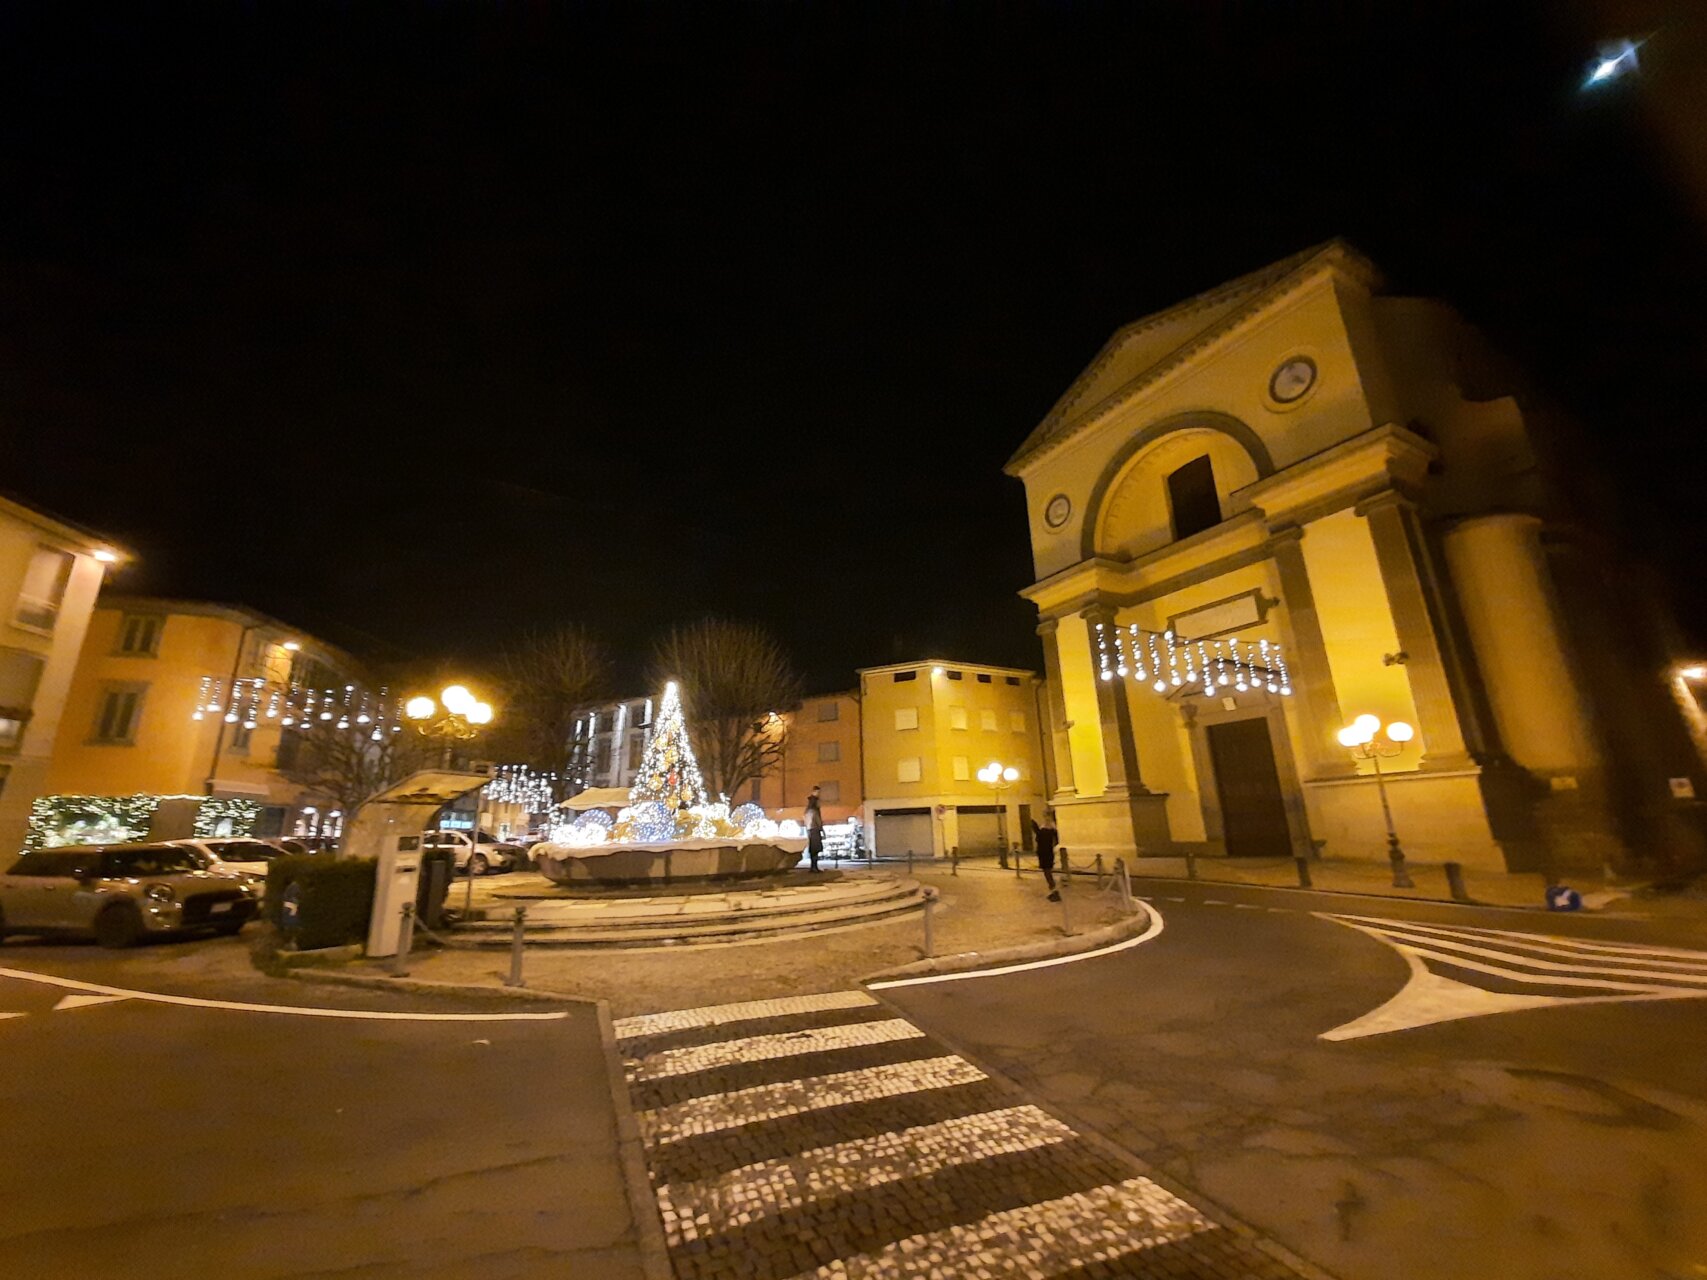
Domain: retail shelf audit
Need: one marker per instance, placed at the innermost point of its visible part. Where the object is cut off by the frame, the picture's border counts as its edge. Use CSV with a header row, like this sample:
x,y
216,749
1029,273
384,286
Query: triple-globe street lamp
x,y
1367,740
999,778
456,716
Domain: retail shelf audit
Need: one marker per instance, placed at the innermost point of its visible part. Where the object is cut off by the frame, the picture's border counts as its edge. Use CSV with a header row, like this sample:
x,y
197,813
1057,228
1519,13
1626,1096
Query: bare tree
x,y
736,681
348,765
546,676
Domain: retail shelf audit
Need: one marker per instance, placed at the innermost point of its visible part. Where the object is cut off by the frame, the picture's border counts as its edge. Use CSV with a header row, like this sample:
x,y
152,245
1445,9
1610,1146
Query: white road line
x,y
794,1097
649,1024
784,1044
14,1015
1213,902
193,1002
1542,979
1401,937
1153,931
710,1205
77,1002
1247,906
1055,1235
1630,953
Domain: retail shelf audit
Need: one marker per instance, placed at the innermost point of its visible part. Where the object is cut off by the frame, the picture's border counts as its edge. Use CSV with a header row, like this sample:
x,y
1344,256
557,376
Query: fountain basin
x,y
667,862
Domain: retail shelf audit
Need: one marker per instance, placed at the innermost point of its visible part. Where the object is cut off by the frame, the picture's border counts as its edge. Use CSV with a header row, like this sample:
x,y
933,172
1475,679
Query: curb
x,y
422,986
969,961
643,1200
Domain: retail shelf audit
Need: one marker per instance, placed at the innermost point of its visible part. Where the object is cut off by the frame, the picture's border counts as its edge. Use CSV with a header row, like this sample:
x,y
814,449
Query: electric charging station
x,y
390,827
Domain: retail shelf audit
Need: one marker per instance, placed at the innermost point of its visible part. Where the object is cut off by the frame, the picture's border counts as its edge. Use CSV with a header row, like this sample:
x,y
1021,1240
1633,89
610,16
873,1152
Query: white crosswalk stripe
x,y
784,1044
651,1024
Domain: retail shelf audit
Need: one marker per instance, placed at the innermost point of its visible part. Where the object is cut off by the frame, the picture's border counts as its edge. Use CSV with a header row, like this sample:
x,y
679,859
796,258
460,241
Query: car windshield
x,y
148,860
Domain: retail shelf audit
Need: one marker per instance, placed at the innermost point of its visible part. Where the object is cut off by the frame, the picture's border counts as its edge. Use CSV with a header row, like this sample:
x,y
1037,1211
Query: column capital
x,y
1047,627
1285,533
1384,500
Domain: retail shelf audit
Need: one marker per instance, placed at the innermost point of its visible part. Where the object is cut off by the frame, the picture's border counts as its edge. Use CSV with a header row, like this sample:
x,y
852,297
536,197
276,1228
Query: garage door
x,y
981,829
899,830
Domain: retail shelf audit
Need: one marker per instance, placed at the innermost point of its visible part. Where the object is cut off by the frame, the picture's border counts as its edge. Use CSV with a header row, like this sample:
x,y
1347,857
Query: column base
x,y
1116,823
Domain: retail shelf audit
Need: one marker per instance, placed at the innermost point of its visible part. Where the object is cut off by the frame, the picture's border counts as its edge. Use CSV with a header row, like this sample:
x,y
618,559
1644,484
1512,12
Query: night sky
x,y
416,325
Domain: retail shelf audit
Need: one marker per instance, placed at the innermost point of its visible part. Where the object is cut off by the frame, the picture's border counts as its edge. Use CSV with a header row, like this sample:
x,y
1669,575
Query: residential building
x,y
1335,498
821,749
50,573
927,730
146,670
609,741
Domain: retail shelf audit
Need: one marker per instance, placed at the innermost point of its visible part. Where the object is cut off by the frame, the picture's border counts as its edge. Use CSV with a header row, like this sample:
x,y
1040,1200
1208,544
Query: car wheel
x,y
477,865
118,926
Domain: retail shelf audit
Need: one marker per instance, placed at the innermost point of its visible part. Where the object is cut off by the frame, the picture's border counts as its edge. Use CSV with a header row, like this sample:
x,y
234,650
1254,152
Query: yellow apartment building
x,y
130,718
1296,500
927,729
50,573
822,749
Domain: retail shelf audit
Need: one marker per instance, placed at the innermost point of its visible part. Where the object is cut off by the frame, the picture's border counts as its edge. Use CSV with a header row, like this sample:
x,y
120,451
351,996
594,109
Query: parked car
x,y
492,855
122,893
241,855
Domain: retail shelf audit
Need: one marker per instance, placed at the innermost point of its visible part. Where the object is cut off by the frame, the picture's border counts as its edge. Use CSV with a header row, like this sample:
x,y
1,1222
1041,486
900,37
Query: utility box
x,y
389,827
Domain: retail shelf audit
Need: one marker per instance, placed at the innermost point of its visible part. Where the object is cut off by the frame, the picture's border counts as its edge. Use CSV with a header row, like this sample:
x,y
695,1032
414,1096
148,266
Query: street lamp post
x,y
1367,740
999,778
461,718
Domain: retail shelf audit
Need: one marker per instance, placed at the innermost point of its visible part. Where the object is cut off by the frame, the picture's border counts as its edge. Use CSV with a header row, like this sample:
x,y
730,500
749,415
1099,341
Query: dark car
x,y
121,893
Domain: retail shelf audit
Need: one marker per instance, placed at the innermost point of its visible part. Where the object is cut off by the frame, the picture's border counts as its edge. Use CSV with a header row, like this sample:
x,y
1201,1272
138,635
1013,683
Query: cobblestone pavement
x,y
823,1136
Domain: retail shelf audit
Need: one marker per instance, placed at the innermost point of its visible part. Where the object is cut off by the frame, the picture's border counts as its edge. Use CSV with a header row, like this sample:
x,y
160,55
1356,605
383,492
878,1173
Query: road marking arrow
x,y
77,1002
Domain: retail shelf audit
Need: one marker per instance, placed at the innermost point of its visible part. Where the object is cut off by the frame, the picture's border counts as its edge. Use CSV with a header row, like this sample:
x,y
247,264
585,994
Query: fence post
x,y
930,926
1099,873
1066,912
400,961
515,978
1190,865
1066,871
909,862
1303,865
1125,885
954,860
1016,864
1455,882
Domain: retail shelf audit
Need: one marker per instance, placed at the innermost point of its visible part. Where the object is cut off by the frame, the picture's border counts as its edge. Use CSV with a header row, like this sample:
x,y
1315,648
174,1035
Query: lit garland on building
x,y
252,702
67,819
518,784
1213,667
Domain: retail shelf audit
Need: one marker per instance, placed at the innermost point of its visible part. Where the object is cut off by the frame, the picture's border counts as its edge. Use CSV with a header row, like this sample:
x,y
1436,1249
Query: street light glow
x,y
1693,673
105,556
420,708
457,700
479,713
1399,731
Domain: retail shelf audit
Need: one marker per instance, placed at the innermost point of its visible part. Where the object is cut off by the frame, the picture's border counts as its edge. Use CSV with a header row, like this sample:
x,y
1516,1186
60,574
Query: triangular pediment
x,y
1146,349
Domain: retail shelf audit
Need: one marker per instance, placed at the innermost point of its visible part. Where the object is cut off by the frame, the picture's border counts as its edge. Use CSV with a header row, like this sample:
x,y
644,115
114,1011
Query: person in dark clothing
x,y
1047,837
814,828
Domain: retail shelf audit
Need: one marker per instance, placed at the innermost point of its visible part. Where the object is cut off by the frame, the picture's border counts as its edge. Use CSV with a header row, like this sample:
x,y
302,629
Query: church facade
x,y
1294,501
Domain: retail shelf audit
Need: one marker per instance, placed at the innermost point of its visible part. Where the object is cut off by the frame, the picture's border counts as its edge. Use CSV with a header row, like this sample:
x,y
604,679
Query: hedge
x,y
335,898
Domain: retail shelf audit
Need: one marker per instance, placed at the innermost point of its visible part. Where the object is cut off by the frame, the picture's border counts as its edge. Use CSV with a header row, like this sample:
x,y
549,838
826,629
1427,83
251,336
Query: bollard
x,y
1125,886
1190,865
954,860
1303,865
930,926
406,939
1002,848
1016,864
1066,913
515,978
909,862
1455,882
1066,871
1099,873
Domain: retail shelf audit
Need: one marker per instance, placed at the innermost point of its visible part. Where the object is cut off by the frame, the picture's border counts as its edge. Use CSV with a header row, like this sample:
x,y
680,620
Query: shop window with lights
x,y
1192,498
44,589
139,634
20,673
118,714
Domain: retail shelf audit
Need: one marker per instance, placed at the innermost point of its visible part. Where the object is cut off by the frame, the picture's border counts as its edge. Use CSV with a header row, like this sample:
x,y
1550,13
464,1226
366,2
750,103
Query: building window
x,y
1013,680
120,710
241,732
601,757
139,634
957,717
1016,721
987,721
829,752
20,673
1191,494
829,711
907,769
830,792
44,589
901,677
636,750
962,769
955,675
983,677
758,786
906,717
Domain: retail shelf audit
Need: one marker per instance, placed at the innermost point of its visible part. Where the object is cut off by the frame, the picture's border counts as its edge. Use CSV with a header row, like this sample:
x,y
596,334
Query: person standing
x,y
1047,837
814,828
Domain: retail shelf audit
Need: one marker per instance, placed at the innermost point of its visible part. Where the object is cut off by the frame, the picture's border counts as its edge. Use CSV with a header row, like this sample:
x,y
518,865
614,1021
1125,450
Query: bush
x,y
335,898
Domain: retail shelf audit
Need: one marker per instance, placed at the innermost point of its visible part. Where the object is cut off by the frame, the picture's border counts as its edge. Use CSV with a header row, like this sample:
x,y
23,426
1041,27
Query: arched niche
x,y
1128,510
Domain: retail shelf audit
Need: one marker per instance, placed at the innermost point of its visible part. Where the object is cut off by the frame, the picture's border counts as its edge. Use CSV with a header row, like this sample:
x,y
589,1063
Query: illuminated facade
x,y
927,729
50,573
131,715
1295,500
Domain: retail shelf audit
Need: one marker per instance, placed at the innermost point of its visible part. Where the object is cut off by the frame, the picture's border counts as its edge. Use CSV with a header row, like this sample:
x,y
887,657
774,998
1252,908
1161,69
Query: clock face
x,y
1056,513
1293,379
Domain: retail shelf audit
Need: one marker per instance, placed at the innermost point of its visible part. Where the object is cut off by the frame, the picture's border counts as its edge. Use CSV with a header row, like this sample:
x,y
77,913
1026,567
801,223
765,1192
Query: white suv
x,y
492,855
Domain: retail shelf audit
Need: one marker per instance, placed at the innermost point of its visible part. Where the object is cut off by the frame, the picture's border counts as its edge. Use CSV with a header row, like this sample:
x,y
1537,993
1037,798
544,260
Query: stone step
x,y
618,913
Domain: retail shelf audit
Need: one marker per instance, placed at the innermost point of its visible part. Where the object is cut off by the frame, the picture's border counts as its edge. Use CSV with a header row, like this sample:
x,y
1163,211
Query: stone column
x,y
1060,749
1409,579
1314,695
1119,742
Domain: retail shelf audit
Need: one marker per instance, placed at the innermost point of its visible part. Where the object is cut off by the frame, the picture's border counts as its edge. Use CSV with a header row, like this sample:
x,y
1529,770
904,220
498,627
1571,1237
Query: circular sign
x,y
1293,380
1056,513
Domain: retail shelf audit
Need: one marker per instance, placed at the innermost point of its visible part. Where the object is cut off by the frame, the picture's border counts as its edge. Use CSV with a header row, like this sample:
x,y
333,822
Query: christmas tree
x,y
668,772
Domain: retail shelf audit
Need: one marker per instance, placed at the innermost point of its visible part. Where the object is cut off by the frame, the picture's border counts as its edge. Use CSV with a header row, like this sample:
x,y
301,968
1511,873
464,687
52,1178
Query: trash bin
x,y
437,867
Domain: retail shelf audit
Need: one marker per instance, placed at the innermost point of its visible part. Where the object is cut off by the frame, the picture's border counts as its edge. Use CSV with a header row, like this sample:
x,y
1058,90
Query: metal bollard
x,y
1125,886
1066,871
1002,848
954,861
930,925
909,862
515,978
1455,882
1066,913
1190,865
400,961
1099,873
1016,864
1303,865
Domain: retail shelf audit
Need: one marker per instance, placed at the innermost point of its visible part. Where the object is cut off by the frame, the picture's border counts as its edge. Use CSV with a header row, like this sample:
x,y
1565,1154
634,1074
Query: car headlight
x,y
161,893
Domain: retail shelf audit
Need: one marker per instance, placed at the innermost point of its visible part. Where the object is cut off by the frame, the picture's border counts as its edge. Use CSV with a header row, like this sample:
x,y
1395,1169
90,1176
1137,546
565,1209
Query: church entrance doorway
x,y
1253,811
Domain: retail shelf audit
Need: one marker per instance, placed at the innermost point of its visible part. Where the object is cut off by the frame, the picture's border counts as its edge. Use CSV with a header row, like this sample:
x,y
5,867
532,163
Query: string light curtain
x,y
1166,662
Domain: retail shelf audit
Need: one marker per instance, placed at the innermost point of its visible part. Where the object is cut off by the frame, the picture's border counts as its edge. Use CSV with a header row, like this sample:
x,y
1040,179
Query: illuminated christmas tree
x,y
668,772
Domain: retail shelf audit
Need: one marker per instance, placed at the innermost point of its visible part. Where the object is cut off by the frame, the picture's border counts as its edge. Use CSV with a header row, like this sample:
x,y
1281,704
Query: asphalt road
x,y
144,1138
1561,1136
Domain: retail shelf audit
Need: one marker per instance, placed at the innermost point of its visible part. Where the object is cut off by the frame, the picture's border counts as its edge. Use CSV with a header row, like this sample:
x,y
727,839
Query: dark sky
x,y
415,325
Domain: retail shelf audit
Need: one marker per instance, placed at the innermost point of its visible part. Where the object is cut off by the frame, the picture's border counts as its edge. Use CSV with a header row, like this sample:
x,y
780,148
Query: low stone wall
x,y
680,860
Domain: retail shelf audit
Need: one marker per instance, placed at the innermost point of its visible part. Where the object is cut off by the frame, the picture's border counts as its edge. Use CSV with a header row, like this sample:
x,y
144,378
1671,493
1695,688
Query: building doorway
x,y
1253,811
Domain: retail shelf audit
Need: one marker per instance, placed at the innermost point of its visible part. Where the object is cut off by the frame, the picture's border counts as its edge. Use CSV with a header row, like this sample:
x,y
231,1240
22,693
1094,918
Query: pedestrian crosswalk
x,y
1462,971
823,1136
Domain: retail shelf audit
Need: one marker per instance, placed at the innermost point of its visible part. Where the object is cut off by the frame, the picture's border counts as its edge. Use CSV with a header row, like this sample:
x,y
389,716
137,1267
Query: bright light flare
x,y
420,708
1616,60
457,700
479,713
105,556
1399,731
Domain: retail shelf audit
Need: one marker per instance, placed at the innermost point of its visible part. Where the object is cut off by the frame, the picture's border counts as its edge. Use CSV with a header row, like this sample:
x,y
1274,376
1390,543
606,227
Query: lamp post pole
x,y
462,717
1367,740
999,778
